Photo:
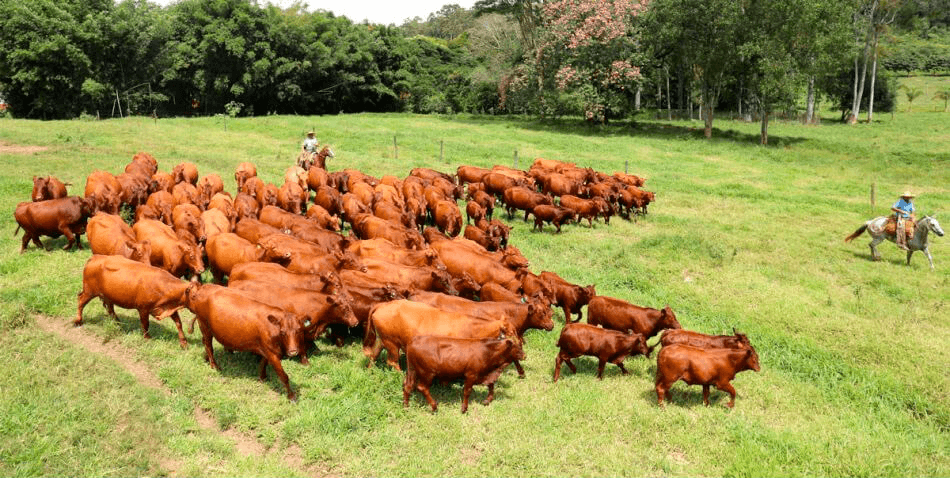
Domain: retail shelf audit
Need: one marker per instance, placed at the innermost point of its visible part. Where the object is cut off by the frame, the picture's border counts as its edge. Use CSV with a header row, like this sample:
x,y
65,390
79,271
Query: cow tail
x,y
856,233
369,339
17,230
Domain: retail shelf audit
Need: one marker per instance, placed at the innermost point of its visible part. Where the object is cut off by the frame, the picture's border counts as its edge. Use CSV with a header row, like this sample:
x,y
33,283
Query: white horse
x,y
920,242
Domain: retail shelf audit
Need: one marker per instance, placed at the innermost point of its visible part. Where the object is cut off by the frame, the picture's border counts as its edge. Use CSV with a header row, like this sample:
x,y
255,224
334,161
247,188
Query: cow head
x,y
389,292
512,259
465,285
751,359
442,282
331,282
347,260
40,188
141,252
341,308
291,335
192,256
741,339
668,319
513,348
540,316
638,345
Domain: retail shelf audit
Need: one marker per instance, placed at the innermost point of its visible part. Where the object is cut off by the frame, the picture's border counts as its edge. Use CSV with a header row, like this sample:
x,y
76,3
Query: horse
x,y
920,242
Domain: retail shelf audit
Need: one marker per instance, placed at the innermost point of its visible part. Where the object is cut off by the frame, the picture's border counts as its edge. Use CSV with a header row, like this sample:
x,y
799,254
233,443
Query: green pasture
x,y
854,353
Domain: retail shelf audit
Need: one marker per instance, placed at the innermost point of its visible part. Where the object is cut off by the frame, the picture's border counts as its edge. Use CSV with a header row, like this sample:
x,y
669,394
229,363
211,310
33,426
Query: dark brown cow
x,y
109,235
607,345
392,325
241,323
133,285
635,200
552,214
703,341
53,217
47,187
104,190
185,173
168,251
705,367
616,314
532,285
524,199
570,297
477,361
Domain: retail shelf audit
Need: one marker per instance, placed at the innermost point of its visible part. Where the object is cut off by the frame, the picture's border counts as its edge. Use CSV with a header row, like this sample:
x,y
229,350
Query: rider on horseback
x,y
305,160
904,210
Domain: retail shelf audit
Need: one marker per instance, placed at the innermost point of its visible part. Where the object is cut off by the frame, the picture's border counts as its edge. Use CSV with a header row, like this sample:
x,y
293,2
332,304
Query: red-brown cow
x,y
705,367
164,203
384,250
215,222
392,325
185,193
474,210
104,190
367,226
484,200
254,230
133,285
185,173
246,207
47,187
570,297
227,250
186,221
552,214
496,183
496,293
459,259
168,251
524,199
482,238
323,218
704,341
241,323
53,217
477,361
134,189
292,198
162,181
470,174
329,199
243,172
327,283
317,177
616,314
207,187
584,208
109,235
607,345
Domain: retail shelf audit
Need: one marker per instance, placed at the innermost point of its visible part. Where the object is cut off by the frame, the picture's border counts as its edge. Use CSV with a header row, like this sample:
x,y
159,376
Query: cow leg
x,y
110,309
491,394
466,392
407,384
728,388
64,229
570,364
706,395
567,314
422,385
143,318
392,354
623,369
519,369
181,333
601,363
262,369
209,349
37,242
26,241
557,366
275,362
580,314
84,298
660,394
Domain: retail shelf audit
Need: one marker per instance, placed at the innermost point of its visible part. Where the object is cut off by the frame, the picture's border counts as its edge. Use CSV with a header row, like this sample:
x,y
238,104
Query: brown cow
x,y
496,293
410,277
251,186
292,198
607,345
227,250
430,174
477,361
134,189
215,222
47,187
486,201
109,235
142,163
558,184
570,297
393,213
168,251
266,194
185,173
384,250
133,285
146,211
323,218
630,179
459,258
470,174
616,314
392,325
245,206
207,187
162,181
705,367
524,199
703,341
185,193
242,323
474,210
496,183
53,217
254,230
482,238
187,223
164,203
317,177
104,190
328,282
367,226
584,208
243,172
552,214
329,199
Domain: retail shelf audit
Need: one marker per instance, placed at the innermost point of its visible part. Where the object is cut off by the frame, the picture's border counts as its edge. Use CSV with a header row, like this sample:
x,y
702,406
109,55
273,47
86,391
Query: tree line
x,y
598,59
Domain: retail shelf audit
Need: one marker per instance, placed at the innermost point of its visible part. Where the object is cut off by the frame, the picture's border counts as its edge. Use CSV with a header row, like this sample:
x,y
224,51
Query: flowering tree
x,y
585,48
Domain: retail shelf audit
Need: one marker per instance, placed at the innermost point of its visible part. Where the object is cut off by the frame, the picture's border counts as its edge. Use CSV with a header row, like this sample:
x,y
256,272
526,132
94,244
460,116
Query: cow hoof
x,y
77,323
184,345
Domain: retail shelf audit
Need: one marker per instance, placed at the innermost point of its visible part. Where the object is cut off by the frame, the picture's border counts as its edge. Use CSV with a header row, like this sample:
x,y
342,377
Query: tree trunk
x,y
854,89
856,107
765,126
810,109
636,98
873,77
669,112
708,117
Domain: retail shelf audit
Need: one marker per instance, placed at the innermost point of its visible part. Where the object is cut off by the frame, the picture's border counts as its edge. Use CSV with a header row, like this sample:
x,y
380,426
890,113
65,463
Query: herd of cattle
x,y
458,307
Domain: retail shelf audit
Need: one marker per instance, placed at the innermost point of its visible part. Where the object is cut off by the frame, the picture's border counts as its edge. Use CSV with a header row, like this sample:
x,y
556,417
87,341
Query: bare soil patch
x,y
10,148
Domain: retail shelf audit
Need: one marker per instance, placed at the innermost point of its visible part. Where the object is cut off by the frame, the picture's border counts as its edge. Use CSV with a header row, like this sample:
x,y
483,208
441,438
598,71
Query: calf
x,y
584,208
607,345
54,218
569,296
47,187
474,210
555,215
525,199
705,367
133,285
703,341
477,361
621,315
241,323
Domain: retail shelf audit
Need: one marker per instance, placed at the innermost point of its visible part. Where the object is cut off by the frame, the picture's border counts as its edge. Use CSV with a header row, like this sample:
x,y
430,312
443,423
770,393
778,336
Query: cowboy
x,y
903,210
305,160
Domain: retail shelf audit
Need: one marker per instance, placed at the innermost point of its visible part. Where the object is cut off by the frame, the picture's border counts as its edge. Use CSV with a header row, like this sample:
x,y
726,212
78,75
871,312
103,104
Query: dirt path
x,y
8,148
125,357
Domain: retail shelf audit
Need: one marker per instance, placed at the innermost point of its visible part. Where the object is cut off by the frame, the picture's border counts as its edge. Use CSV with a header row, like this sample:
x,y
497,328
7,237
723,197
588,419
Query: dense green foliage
x,y
854,353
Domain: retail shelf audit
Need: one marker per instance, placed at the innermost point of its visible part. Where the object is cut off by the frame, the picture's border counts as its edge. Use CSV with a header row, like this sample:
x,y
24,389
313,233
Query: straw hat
x,y
908,194
310,133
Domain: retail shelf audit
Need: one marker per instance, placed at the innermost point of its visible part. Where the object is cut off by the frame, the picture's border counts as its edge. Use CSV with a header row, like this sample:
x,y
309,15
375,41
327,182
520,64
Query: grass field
x,y
854,353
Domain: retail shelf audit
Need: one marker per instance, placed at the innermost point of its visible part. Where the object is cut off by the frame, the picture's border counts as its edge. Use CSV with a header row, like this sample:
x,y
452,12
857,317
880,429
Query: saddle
x,y
890,228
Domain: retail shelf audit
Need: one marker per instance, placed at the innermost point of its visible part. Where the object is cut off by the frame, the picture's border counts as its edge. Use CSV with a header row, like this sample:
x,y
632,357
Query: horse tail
x,y
856,233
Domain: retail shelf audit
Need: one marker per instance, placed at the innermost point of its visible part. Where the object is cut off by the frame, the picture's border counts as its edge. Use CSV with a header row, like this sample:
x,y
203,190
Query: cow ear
x,y
273,319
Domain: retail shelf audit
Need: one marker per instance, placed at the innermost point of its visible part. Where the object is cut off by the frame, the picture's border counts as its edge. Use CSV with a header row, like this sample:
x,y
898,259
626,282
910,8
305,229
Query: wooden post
x,y
626,164
395,147
441,150
872,196
514,163
119,102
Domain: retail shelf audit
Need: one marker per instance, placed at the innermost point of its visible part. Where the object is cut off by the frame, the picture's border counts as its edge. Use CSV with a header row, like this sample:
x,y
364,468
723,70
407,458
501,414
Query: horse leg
x,y
910,252
874,242
930,258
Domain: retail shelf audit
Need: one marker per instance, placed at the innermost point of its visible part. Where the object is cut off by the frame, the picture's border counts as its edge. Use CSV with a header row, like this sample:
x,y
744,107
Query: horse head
x,y
931,223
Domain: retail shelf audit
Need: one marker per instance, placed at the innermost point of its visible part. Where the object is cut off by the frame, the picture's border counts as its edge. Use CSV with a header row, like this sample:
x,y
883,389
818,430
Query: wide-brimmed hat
x,y
908,194
310,133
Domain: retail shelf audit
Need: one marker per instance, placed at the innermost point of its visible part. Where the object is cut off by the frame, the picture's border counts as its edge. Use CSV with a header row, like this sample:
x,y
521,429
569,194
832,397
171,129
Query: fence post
x,y
514,162
395,147
441,150
873,186
626,164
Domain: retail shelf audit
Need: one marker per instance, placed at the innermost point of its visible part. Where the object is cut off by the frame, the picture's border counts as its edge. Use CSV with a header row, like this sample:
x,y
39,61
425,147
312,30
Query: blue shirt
x,y
906,206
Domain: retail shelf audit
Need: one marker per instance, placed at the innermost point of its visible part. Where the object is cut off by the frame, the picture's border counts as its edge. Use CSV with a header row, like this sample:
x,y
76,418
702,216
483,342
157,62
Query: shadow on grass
x,y
587,369
689,397
450,395
641,129
902,261
52,244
